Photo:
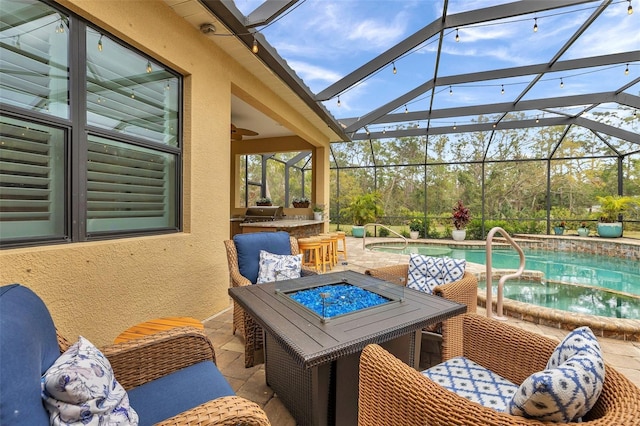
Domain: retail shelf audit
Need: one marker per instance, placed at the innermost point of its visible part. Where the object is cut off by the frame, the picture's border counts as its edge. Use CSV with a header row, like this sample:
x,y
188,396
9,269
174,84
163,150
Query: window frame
x,y
77,132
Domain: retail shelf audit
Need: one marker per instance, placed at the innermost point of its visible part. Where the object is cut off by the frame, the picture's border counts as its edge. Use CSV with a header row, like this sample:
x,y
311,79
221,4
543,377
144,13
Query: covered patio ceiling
x,y
425,83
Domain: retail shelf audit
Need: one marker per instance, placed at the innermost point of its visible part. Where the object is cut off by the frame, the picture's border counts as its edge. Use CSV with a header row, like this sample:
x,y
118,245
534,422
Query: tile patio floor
x,y
250,382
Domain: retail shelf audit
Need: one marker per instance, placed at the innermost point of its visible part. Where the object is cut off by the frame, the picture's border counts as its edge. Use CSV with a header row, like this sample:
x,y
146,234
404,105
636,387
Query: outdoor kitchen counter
x,y
296,228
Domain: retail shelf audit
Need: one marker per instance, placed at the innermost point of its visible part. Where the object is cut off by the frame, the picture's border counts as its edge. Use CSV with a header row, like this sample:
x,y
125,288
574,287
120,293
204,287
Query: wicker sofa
x,y
463,291
392,393
170,377
275,242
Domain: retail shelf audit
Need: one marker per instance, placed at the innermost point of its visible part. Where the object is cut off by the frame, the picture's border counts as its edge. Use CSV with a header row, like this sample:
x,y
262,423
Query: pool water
x,y
569,297
572,282
621,275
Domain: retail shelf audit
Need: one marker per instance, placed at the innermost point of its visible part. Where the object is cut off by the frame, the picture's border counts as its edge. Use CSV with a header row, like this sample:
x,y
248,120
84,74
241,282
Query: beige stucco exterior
x,y
98,289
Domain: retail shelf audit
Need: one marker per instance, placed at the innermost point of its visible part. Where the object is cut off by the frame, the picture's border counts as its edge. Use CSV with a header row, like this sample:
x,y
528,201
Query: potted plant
x,y
300,202
559,227
364,209
415,227
263,201
318,211
583,230
460,217
611,208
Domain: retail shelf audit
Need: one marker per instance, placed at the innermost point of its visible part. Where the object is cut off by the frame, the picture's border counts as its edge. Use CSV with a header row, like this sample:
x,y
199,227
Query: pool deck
x,y
624,356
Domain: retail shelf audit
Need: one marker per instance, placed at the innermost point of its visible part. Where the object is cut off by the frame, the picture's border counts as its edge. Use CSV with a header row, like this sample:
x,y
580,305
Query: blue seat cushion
x,y
177,392
28,347
474,382
248,247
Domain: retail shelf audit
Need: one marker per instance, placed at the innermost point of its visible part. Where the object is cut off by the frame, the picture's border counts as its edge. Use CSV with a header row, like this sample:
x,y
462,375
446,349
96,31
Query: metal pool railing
x,y
364,236
504,278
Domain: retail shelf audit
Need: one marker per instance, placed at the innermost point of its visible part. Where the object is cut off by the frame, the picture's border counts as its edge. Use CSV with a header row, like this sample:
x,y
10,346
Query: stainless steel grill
x,y
263,214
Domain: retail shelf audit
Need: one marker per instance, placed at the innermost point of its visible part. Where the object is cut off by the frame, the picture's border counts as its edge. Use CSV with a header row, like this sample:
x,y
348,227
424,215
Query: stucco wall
x,y
98,289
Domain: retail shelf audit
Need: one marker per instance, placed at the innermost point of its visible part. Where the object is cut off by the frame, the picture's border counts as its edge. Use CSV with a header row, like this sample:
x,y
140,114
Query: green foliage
x,y
365,208
514,191
474,229
383,232
416,224
612,206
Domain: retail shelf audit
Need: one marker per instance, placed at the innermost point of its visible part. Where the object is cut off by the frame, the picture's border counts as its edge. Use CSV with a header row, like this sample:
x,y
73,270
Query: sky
x,y
324,40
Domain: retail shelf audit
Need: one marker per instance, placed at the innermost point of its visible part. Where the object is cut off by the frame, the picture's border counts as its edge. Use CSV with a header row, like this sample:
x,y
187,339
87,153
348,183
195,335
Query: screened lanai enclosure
x,y
527,111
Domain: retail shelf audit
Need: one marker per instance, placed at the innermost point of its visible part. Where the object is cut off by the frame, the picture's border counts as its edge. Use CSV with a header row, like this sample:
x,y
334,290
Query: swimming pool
x,y
570,297
573,282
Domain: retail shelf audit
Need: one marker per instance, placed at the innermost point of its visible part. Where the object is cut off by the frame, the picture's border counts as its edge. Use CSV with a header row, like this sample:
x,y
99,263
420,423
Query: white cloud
x,y
314,73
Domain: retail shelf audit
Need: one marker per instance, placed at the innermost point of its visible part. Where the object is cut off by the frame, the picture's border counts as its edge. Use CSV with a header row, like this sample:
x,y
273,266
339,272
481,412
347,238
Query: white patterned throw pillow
x,y
278,267
428,272
81,389
571,384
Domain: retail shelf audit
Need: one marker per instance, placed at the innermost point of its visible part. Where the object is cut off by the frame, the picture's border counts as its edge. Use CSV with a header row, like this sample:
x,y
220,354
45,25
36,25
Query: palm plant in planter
x,y
364,209
460,217
611,207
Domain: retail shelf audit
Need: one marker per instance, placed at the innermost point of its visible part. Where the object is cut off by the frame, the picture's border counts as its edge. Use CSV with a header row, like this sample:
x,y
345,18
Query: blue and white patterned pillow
x,y
569,387
453,269
81,389
579,341
474,382
278,267
428,272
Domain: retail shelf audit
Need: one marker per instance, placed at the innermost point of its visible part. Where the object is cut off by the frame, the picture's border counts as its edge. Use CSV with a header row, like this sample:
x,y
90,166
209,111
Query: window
x,y
91,146
280,176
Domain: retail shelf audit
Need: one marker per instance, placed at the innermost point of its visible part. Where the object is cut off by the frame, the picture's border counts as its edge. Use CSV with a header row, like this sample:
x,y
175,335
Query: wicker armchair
x,y
197,394
392,393
250,330
139,361
463,291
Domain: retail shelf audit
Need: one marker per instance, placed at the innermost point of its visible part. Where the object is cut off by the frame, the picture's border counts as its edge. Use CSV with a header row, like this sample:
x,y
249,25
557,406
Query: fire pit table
x,y
312,354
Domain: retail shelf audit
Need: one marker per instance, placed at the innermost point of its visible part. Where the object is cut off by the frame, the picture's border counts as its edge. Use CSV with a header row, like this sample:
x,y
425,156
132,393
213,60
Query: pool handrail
x,y
364,236
489,279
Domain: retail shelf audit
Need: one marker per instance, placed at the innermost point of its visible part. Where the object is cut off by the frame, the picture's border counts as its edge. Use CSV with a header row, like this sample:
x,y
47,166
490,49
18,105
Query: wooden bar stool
x,y
333,248
326,251
342,237
312,253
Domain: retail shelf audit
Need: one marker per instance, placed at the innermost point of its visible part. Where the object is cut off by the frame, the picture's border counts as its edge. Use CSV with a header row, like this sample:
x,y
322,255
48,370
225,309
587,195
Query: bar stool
x,y
333,248
327,258
342,237
312,253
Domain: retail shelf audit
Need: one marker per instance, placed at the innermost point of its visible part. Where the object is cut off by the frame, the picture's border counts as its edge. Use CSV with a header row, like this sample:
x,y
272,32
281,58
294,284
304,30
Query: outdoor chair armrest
x,y
238,280
142,360
464,291
227,410
396,274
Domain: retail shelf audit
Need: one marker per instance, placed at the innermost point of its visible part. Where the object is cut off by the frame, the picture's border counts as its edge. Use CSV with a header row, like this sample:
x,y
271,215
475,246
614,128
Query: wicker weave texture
x,y
391,393
250,331
139,361
463,291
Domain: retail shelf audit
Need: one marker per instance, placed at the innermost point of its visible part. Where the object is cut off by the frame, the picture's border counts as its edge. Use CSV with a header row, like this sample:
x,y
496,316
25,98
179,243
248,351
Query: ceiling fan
x,y
237,133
